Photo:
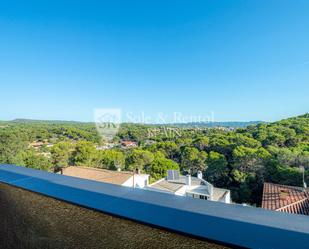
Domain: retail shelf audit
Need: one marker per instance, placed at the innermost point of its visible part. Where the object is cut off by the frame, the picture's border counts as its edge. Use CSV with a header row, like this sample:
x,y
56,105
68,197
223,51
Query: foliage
x,y
139,159
85,154
168,148
237,159
201,143
160,165
11,145
217,171
193,159
111,159
30,159
61,154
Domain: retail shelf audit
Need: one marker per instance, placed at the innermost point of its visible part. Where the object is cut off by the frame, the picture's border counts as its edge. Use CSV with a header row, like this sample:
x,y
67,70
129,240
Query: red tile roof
x,y
284,198
128,143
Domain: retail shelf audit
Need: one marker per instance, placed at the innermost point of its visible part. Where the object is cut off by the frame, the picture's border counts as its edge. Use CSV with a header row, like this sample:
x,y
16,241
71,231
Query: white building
x,y
106,146
194,187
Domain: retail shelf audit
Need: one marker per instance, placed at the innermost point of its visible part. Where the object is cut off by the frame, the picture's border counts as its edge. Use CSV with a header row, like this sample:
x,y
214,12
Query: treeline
x,y
52,131
240,160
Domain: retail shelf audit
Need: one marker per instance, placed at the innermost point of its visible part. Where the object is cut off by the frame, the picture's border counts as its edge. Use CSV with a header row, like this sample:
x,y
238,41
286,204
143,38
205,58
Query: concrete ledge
x,y
34,221
231,224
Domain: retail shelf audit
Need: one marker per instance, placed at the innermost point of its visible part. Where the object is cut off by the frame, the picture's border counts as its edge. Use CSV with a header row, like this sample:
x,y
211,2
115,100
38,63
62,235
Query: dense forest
x,y
239,159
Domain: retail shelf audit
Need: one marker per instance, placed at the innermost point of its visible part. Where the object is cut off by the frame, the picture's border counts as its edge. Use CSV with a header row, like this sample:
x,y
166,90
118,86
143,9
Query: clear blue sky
x,y
243,60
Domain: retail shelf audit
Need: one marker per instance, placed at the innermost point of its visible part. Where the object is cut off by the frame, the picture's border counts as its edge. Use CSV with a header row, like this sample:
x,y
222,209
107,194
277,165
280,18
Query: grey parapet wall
x,y
33,221
230,224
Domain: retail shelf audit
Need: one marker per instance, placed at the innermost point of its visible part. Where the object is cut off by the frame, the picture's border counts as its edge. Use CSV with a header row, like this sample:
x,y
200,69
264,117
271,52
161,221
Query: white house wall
x,y
140,181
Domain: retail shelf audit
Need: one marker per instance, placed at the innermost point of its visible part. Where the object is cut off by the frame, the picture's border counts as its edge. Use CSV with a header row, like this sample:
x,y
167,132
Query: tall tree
x,y
160,165
217,170
61,154
85,154
193,159
111,159
31,159
12,144
201,143
139,159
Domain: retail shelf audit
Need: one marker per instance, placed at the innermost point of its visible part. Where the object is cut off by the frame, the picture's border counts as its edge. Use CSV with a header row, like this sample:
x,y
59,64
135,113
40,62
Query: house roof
x,y
174,185
165,185
37,143
219,193
284,198
128,142
197,187
101,175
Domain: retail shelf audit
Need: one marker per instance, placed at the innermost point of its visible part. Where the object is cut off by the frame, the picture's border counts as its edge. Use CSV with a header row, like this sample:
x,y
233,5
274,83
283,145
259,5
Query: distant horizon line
x,y
124,122
154,123
149,123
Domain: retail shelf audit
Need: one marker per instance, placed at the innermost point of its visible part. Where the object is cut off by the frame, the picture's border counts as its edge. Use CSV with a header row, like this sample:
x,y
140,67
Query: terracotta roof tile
x,y
284,198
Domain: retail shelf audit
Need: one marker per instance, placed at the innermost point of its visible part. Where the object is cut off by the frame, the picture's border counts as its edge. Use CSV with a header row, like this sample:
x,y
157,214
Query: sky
x,y
236,60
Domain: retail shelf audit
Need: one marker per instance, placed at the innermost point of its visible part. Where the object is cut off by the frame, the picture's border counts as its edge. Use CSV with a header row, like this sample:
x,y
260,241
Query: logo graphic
x,y
107,122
